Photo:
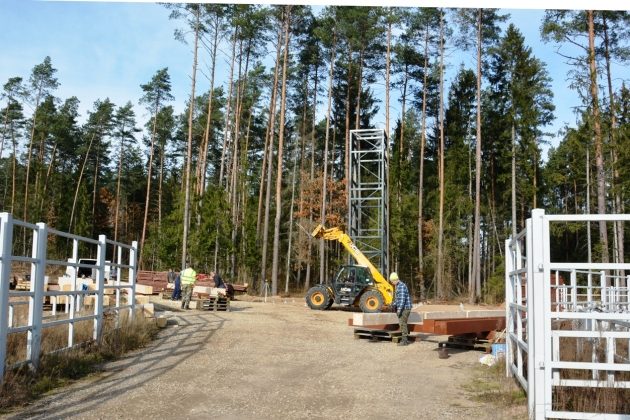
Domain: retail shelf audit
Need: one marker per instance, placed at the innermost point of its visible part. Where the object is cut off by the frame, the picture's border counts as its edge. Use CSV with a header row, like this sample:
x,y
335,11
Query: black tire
x,y
330,303
371,301
317,298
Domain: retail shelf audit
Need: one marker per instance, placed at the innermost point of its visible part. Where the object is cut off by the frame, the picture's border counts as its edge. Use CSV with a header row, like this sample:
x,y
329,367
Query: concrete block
x,y
89,300
143,289
148,310
143,299
485,313
67,281
464,314
205,290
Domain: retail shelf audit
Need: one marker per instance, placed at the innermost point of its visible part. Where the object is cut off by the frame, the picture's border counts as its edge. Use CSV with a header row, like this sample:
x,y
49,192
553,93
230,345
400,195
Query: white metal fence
x,y
81,303
568,322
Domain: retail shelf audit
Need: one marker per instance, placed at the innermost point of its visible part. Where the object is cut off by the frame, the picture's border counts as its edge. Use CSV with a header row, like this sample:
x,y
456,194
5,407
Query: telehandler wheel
x,y
317,298
371,301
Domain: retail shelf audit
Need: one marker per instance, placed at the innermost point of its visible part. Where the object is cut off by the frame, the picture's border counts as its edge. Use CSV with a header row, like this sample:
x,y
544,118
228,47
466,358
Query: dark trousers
x,y
402,322
177,290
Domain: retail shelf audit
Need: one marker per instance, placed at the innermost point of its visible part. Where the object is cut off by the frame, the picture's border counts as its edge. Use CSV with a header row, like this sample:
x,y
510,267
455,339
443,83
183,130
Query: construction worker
x,y
177,288
218,281
402,306
188,278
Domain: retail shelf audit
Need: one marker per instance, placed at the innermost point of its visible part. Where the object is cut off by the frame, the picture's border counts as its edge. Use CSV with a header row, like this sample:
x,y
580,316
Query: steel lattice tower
x,y
368,204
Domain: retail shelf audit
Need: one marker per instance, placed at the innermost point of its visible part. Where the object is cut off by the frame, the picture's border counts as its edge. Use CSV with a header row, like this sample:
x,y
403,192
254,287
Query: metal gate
x,y
568,322
39,264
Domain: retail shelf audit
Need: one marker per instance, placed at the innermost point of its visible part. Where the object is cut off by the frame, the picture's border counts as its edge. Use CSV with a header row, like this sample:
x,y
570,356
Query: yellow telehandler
x,y
360,285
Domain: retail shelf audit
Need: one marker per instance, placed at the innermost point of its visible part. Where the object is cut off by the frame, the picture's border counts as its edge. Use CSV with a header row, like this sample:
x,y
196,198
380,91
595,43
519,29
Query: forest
x,y
259,156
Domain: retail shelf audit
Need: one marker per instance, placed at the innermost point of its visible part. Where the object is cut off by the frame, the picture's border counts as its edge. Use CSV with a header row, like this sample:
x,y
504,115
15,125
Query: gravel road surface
x,y
273,360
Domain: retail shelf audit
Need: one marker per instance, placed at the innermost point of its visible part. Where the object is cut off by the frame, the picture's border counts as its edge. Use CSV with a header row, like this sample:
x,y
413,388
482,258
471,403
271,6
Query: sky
x,y
108,49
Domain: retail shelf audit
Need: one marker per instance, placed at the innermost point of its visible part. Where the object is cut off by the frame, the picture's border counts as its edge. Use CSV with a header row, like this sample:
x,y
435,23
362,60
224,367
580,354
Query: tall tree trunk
x,y
203,151
83,165
599,154
244,197
387,71
120,164
47,178
160,182
357,117
276,231
307,279
236,173
13,170
271,134
228,129
423,140
440,281
28,160
95,187
587,210
286,283
476,290
187,174
514,228
148,194
322,260
619,225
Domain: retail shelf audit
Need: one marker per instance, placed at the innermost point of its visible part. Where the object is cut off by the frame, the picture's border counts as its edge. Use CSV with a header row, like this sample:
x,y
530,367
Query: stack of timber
x,y
68,284
471,323
158,280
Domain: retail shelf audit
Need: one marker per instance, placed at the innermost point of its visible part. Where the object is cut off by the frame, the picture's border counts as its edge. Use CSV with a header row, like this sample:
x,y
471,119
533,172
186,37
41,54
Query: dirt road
x,y
273,361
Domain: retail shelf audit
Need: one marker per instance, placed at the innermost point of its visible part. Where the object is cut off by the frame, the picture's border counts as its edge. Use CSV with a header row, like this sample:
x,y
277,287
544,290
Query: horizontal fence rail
x,y
568,322
22,312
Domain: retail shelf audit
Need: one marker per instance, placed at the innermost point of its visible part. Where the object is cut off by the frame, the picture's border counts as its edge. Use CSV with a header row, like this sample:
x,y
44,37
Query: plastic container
x,y
498,350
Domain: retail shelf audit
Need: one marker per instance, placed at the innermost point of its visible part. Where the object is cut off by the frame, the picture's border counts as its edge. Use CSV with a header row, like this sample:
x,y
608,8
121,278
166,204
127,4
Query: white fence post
x,y
510,256
536,314
100,282
36,301
6,252
133,266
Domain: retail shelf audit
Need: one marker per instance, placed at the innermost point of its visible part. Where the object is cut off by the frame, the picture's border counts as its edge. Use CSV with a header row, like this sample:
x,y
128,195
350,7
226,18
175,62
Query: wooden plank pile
x,y
158,280
381,326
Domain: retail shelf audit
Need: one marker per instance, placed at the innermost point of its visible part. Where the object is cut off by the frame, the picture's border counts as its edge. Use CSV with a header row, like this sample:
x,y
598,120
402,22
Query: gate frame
x,y
38,260
541,347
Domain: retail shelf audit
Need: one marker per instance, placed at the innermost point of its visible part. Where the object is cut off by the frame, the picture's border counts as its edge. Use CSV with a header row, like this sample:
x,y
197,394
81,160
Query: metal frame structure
x,y
568,323
125,266
368,201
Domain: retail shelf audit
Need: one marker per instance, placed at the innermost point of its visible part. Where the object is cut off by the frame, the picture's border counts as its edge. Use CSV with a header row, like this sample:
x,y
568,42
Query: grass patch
x,y
22,385
490,385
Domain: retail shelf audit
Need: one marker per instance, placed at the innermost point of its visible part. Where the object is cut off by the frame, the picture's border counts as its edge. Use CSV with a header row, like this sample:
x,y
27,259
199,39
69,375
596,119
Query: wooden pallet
x,y
381,335
213,303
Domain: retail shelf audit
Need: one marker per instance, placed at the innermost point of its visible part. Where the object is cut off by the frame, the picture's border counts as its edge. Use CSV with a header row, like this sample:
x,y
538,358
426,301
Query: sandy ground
x,y
274,360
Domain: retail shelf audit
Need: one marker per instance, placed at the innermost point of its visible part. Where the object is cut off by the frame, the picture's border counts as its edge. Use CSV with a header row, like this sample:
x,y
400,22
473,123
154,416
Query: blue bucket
x,y
498,350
